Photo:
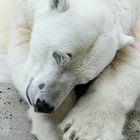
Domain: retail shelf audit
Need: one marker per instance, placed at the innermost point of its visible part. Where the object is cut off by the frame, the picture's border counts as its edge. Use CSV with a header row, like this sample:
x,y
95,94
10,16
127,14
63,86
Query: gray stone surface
x,y
132,126
14,124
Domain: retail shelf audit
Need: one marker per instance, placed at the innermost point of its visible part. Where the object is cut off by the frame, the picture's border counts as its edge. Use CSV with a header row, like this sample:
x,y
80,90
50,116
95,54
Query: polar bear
x,y
55,45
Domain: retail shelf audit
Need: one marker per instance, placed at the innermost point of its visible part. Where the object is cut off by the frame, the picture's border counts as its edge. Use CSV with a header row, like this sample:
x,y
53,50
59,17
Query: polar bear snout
x,y
43,107
41,104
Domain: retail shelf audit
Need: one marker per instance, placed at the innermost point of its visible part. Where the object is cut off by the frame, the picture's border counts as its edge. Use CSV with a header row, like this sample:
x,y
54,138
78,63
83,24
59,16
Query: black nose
x,y
43,106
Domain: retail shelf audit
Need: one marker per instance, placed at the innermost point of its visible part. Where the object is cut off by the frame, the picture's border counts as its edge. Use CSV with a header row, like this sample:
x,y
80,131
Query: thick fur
x,y
92,31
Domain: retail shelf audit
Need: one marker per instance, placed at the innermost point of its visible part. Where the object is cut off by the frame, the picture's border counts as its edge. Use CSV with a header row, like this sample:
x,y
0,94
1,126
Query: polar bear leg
x,y
43,127
19,48
100,113
20,35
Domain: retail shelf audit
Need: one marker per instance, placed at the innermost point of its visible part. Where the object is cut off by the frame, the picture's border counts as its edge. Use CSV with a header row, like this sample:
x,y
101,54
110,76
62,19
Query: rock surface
x,y
14,124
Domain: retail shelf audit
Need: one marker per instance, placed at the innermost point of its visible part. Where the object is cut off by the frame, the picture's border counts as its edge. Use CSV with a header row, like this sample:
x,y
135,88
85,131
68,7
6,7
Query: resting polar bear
x,y
56,45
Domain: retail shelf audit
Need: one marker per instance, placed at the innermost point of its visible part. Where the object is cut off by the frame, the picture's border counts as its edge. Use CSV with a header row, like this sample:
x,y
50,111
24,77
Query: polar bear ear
x,y
58,4
62,59
125,40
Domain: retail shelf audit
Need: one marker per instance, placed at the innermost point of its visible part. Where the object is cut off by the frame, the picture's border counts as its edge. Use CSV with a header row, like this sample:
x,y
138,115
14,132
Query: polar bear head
x,y
66,53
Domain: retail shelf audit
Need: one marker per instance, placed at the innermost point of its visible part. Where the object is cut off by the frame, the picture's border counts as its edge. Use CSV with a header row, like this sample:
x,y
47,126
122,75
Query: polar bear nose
x,y
43,106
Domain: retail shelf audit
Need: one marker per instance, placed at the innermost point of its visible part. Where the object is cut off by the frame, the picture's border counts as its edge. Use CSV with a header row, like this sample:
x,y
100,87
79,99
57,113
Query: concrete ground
x,y
132,126
14,124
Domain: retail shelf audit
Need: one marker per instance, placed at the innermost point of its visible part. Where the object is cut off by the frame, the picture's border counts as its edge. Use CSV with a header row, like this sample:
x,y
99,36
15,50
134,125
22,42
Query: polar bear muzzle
x,y
41,105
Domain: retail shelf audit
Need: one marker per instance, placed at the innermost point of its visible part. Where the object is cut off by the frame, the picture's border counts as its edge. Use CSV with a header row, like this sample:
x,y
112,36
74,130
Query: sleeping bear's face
x,y
63,58
52,83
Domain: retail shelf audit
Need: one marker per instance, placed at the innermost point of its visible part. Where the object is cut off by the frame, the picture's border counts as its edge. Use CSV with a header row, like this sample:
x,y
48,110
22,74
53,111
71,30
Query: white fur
x,y
92,31
4,72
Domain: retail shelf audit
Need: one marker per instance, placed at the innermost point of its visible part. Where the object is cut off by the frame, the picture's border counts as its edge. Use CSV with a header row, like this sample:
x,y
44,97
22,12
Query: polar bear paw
x,y
85,127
